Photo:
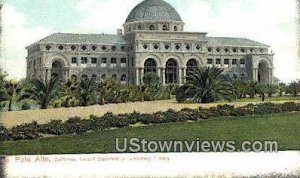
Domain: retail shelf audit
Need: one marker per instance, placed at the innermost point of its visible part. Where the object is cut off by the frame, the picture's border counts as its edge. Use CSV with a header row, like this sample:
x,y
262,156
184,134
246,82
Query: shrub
x,y
267,108
54,127
4,134
25,106
25,131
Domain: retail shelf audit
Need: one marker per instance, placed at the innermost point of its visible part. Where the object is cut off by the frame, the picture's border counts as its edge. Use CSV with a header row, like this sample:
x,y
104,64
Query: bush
x,y
54,127
25,131
4,134
267,108
25,106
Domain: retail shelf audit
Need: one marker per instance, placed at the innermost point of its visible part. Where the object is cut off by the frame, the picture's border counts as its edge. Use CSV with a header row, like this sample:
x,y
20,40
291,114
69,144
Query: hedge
x,y
76,125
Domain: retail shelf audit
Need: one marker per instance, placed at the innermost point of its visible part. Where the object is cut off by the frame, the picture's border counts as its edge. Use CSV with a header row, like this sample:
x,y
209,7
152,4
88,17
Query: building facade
x,y
152,40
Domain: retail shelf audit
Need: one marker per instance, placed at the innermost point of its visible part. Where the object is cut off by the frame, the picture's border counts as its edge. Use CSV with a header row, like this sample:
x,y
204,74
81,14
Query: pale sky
x,y
267,21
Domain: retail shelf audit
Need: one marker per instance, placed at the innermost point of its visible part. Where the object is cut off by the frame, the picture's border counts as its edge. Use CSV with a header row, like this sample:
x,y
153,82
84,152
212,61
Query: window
x,y
104,62
113,62
165,27
234,50
60,47
243,50
226,50
113,48
167,46
139,27
209,49
218,49
262,50
145,46
129,29
175,28
73,48
132,61
48,47
94,48
177,47
151,27
84,77
218,61
84,60
188,47
198,47
94,60
242,62
123,79
123,48
234,61
94,77
114,76
74,60
83,48
226,61
123,62
104,48
103,77
209,61
156,46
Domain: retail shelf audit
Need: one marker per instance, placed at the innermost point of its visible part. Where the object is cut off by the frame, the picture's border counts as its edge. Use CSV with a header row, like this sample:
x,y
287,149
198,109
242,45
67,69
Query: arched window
x,y
114,76
94,77
151,27
191,65
175,28
84,77
123,79
150,65
103,77
165,27
171,71
243,77
140,27
74,77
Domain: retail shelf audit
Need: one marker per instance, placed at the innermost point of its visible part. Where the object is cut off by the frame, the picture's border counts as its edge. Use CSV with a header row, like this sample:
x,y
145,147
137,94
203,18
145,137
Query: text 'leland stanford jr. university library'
x,y
153,40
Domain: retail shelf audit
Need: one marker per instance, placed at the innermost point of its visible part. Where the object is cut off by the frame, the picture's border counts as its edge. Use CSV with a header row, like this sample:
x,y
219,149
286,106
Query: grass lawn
x,y
282,128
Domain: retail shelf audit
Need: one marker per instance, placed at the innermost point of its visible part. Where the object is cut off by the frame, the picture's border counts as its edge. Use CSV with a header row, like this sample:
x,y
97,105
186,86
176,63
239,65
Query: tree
x,y
281,88
294,88
68,90
10,91
207,85
262,90
271,89
42,92
87,91
252,88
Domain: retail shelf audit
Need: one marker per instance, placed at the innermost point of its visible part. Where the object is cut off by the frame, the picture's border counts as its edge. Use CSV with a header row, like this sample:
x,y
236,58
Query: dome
x,y
154,10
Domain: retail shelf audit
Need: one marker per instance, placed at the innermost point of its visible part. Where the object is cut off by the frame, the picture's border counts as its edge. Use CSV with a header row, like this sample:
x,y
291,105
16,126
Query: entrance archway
x,y
57,69
191,65
263,72
171,71
150,66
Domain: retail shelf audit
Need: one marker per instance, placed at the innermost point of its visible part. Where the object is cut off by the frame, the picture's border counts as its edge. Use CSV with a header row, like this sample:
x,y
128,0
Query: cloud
x,y
16,36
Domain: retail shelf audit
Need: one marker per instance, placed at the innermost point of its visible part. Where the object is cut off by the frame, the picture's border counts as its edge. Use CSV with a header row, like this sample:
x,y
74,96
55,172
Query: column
x,y
142,75
180,76
184,75
163,76
159,73
270,76
46,75
255,74
137,76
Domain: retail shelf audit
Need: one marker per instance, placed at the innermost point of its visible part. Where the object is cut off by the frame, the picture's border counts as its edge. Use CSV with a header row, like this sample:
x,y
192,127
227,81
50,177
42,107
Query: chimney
x,y
120,32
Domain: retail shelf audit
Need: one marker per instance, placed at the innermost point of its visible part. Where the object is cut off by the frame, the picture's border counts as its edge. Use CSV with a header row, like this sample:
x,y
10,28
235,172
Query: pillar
x,y
46,74
142,75
163,76
180,76
184,75
137,76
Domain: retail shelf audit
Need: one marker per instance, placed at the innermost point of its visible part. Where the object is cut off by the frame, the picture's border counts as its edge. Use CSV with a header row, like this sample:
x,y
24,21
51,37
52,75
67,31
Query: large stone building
x,y
153,40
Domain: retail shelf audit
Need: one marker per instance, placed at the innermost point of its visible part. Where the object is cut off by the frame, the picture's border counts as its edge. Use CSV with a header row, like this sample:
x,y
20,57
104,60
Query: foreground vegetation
x,y
284,128
203,85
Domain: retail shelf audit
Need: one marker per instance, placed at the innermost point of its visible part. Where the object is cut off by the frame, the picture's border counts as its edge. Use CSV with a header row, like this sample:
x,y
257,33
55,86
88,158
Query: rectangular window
x,y
132,61
104,62
243,62
123,62
218,61
113,62
74,60
94,60
234,61
226,61
209,61
84,60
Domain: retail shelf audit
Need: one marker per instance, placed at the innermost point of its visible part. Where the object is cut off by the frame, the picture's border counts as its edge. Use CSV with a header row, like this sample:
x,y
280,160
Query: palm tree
x,y
68,91
252,88
87,91
207,85
42,92
10,91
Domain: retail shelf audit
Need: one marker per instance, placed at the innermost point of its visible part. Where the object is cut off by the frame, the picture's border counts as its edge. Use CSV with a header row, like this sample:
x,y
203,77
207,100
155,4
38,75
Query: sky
x,y
266,21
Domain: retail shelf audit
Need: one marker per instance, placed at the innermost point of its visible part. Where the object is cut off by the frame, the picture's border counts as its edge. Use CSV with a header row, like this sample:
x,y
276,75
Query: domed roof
x,y
153,10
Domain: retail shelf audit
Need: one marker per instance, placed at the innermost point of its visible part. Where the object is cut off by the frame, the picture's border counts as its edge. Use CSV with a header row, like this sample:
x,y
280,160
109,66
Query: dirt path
x,y
9,119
